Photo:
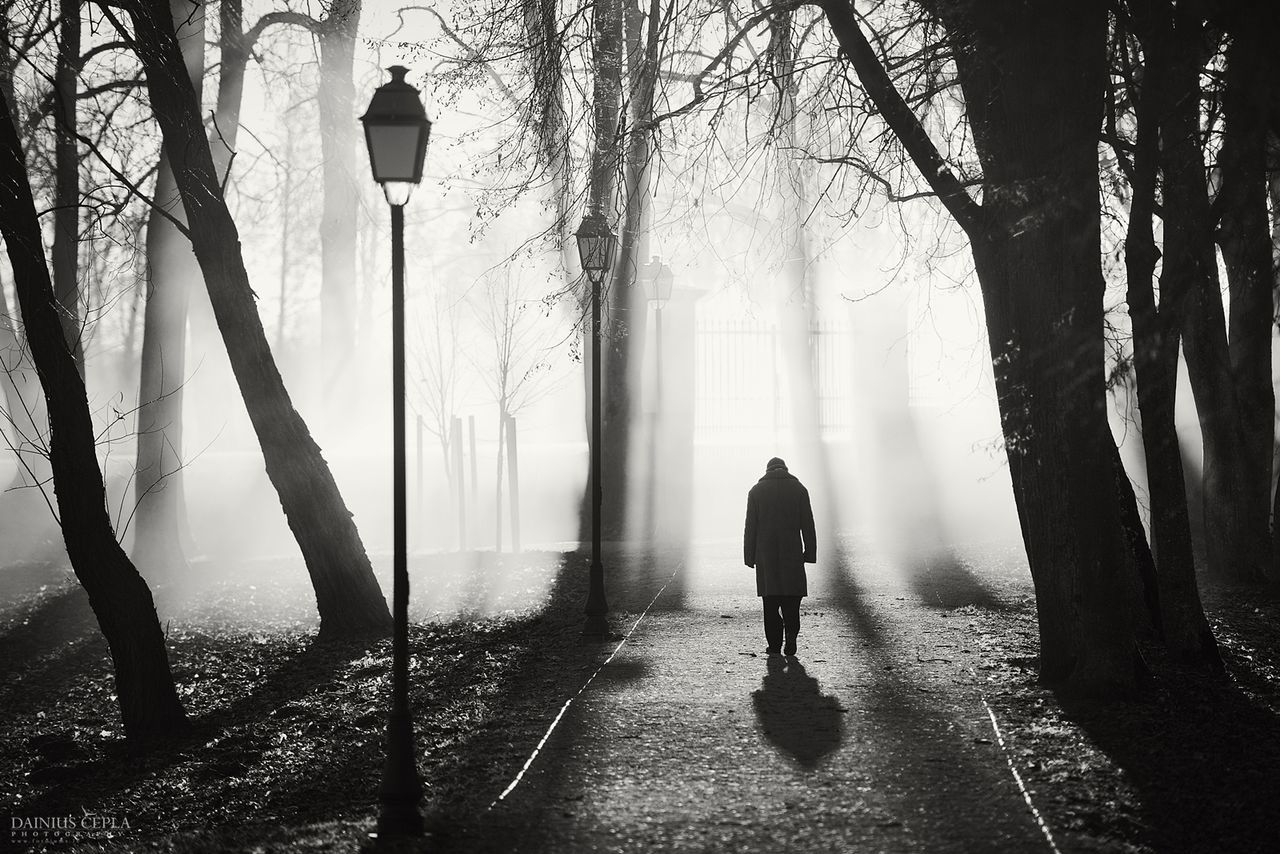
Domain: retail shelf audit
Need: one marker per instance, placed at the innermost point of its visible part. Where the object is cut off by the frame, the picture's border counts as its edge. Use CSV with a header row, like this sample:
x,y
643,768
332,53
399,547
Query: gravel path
x,y
873,738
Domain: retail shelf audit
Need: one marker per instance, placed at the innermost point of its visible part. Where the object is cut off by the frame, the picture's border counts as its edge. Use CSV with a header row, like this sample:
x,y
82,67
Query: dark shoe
x,y
790,648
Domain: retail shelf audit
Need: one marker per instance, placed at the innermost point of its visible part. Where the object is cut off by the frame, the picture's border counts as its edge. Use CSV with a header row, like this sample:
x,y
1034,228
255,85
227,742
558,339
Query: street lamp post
x,y
596,247
396,131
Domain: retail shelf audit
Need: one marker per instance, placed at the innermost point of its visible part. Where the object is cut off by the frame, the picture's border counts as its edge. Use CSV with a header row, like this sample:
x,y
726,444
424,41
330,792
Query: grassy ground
x,y
285,747
286,737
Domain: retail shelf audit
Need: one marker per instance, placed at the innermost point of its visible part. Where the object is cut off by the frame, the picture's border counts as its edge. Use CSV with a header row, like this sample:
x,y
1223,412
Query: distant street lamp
x,y
596,247
396,130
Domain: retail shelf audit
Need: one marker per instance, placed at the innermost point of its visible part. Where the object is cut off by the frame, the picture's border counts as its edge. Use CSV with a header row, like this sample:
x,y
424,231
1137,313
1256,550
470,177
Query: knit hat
x,y
775,463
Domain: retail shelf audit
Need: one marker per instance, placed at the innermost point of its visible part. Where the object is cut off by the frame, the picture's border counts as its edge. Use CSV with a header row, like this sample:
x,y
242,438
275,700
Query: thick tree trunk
x,y
1190,275
172,271
159,482
1033,75
627,313
119,597
1033,87
1141,571
1155,349
1273,193
347,594
796,305
1244,235
66,217
25,421
25,418
606,97
336,101
234,52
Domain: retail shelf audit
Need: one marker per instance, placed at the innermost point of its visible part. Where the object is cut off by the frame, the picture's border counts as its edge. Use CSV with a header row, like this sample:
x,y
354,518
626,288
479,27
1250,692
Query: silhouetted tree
x,y
1248,105
172,272
1156,336
25,421
66,218
335,97
517,367
347,594
1033,78
119,597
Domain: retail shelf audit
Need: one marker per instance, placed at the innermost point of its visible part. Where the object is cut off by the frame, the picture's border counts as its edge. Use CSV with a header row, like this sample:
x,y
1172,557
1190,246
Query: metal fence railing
x,y
742,385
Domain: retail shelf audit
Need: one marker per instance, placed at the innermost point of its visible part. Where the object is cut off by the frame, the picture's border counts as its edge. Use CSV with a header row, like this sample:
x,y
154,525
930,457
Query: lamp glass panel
x,y
398,192
592,250
662,285
393,151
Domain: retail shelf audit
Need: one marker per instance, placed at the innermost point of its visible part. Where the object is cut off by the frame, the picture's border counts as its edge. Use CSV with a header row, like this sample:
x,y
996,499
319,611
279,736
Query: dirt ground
x,y
911,719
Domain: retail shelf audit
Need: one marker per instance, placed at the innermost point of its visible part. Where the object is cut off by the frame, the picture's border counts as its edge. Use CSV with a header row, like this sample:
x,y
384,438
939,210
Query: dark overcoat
x,y
779,538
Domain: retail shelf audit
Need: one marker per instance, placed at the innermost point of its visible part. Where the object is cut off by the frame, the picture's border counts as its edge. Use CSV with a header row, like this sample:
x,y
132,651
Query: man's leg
x,y
773,622
791,621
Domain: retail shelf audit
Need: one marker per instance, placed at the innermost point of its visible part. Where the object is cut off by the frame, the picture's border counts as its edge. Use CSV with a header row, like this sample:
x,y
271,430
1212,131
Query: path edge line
x,y
1017,778
567,703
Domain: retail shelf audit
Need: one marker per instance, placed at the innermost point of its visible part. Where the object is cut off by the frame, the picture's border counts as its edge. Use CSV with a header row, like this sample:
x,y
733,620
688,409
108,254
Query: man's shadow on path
x,y
795,715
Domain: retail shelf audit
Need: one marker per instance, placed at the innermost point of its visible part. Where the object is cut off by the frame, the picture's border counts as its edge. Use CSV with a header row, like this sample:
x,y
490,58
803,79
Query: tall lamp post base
x,y
596,246
397,130
597,624
400,792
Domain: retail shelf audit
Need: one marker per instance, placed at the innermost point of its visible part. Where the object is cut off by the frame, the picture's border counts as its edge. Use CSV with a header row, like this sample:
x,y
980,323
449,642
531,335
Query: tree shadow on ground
x,y
463,813
1202,756
490,691
287,730
932,758
1246,621
1202,752
228,731
795,715
666,559
942,580
49,636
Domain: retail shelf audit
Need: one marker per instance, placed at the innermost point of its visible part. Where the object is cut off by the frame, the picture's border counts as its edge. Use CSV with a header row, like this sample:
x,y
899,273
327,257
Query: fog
x,y
863,364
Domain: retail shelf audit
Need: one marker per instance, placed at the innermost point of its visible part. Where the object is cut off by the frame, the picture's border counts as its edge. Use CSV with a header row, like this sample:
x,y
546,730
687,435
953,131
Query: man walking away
x,y
779,540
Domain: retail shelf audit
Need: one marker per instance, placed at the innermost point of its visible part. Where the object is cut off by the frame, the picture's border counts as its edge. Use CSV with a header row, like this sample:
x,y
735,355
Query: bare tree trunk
x,y
1190,274
66,218
1273,193
347,594
625,300
497,489
172,272
797,306
119,597
1033,86
1033,76
26,422
513,477
336,100
606,98
1244,235
286,215
234,52
1181,621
